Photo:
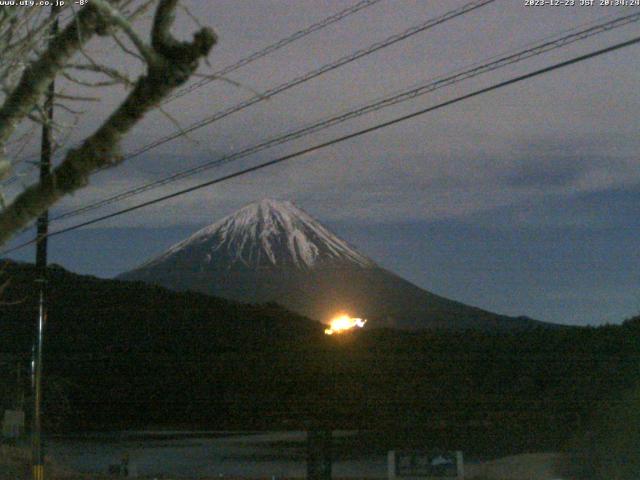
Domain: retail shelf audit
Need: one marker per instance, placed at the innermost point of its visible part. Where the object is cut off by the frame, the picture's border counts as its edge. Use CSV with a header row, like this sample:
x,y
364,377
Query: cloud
x,y
573,164
394,180
542,138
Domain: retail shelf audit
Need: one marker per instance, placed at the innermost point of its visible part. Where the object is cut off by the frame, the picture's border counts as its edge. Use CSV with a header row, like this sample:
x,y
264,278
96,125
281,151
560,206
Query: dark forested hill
x,y
125,354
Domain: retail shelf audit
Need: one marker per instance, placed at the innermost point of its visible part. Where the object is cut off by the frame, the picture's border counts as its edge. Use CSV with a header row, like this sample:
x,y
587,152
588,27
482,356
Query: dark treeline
x,y
128,355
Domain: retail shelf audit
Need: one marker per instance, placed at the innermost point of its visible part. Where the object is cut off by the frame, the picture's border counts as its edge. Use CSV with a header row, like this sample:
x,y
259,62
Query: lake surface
x,y
209,454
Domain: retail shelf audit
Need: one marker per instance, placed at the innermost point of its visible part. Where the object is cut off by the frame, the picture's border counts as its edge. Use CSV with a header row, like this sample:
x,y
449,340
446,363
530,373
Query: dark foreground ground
x,y
14,464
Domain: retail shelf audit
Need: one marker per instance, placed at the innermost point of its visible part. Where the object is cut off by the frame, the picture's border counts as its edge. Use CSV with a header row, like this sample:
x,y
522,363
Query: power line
x,y
343,138
441,82
608,25
273,47
313,74
35,159
325,22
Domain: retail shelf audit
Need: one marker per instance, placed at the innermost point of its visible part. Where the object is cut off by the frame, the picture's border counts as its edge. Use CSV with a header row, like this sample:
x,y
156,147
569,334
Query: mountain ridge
x,y
271,251
269,233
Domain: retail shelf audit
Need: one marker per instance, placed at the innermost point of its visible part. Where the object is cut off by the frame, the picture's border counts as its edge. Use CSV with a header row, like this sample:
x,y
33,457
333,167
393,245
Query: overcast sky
x,y
524,201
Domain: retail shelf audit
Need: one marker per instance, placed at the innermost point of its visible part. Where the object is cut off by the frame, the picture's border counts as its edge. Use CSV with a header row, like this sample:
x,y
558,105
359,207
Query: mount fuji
x,y
271,251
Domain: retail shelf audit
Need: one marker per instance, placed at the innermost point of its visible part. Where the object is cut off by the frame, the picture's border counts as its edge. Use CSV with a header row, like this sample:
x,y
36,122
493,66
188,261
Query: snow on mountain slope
x,y
268,233
271,251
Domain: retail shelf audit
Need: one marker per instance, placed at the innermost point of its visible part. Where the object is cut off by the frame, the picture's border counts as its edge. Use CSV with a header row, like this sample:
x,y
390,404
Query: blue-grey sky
x,y
524,201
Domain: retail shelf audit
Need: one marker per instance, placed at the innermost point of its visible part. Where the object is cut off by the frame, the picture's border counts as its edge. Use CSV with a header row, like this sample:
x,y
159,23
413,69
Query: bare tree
x,y
31,58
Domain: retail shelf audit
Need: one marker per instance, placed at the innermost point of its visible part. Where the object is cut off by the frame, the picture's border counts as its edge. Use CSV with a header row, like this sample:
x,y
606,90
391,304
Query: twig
x,y
174,62
118,19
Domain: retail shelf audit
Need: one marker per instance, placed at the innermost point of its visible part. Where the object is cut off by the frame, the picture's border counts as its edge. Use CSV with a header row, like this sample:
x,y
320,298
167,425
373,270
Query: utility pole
x,y
19,390
37,451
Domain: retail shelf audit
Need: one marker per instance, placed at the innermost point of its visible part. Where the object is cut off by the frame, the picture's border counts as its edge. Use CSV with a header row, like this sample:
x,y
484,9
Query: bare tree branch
x,y
90,84
76,98
124,48
37,76
104,70
118,19
171,65
5,169
68,109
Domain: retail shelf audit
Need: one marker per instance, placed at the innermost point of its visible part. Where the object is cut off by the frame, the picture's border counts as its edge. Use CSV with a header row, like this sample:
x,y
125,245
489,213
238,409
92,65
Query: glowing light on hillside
x,y
344,323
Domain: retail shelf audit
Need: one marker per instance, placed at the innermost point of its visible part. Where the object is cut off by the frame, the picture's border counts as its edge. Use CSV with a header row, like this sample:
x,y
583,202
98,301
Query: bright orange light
x,y
343,323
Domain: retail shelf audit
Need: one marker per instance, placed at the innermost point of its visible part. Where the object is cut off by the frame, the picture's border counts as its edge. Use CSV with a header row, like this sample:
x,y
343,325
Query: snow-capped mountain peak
x,y
268,233
271,251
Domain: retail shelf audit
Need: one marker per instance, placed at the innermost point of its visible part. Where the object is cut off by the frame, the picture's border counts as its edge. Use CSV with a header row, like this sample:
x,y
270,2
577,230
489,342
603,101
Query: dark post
x,y
319,454
37,450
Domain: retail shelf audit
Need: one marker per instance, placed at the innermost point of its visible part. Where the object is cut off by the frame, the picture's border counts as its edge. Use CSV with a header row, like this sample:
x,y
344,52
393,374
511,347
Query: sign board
x,y
425,465
13,423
